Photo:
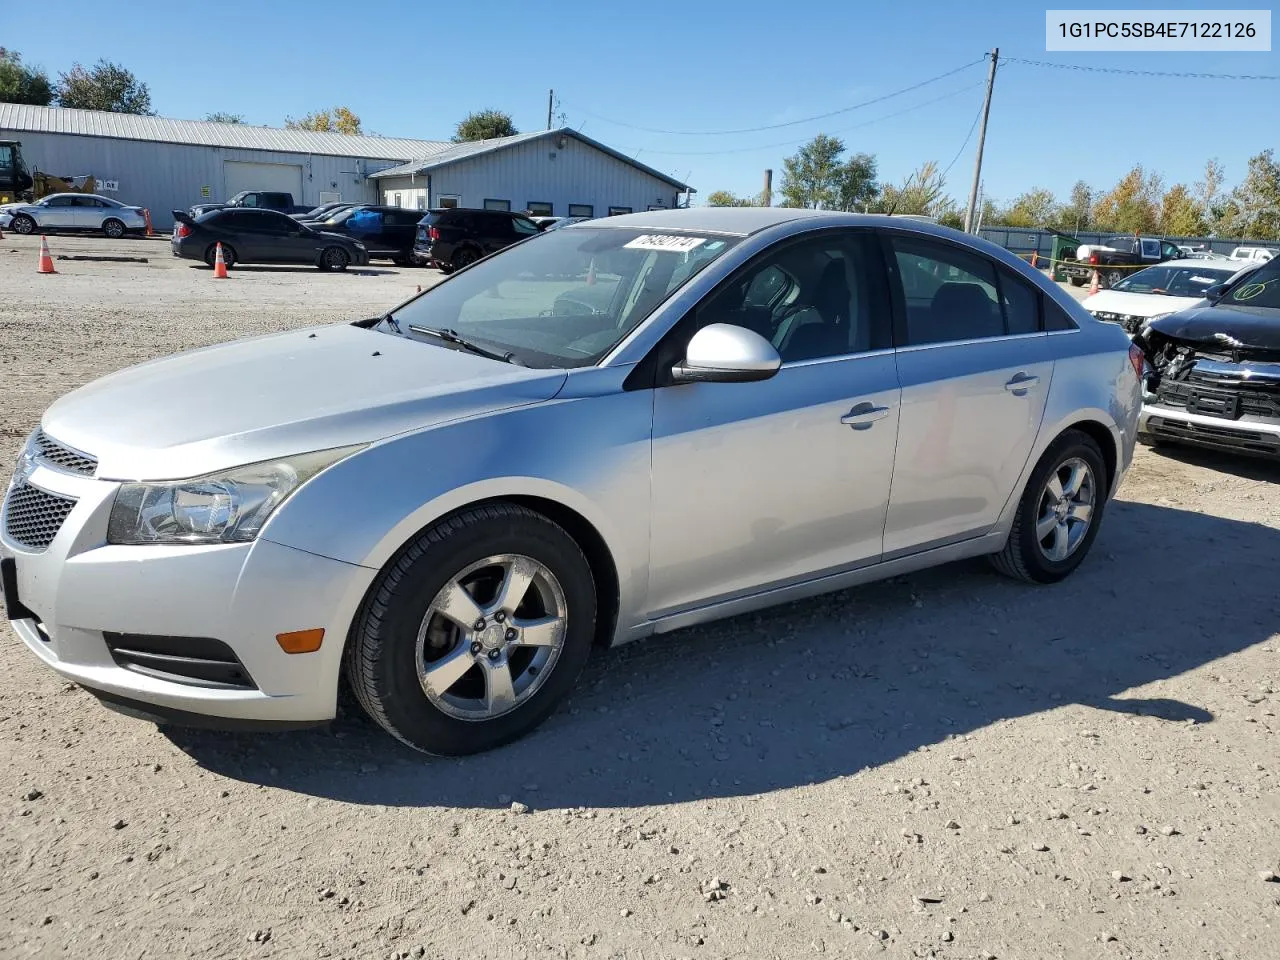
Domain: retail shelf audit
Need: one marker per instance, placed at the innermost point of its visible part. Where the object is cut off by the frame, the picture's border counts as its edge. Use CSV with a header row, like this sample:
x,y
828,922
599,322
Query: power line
x,y
790,143
976,117
789,123
1143,73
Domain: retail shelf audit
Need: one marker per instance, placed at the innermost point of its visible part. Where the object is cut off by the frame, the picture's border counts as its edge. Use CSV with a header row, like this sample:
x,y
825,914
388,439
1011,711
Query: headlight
x,y
226,507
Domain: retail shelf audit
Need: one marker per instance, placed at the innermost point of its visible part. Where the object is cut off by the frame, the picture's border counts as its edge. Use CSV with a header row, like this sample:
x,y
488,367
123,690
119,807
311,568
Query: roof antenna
x,y
892,207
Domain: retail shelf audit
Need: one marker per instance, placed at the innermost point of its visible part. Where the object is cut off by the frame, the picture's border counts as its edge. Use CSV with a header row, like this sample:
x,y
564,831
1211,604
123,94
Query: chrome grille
x,y
62,457
33,517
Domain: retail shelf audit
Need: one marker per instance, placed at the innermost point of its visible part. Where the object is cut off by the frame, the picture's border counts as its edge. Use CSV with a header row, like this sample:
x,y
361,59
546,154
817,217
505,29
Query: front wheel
x,y
1059,513
475,633
334,258
24,225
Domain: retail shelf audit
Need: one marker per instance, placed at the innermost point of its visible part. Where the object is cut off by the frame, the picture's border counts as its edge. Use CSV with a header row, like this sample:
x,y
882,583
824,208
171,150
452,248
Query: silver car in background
x,y
77,212
607,431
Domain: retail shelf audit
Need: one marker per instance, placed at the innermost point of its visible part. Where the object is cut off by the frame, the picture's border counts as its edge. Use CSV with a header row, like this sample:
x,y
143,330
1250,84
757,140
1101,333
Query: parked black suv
x,y
387,232
452,237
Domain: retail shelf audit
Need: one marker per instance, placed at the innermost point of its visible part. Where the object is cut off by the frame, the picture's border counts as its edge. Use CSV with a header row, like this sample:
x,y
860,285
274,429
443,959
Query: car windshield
x,y
563,298
1174,281
1257,288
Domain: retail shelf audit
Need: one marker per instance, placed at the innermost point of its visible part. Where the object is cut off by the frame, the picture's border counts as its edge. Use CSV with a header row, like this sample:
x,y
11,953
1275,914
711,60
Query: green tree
x,y
1258,199
1034,208
952,218
335,120
819,178
1132,205
1208,192
107,86
484,125
1077,213
921,193
723,198
1180,213
22,84
220,117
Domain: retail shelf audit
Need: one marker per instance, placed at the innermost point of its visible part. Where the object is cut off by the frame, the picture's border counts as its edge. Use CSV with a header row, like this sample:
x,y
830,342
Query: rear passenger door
x,y
974,364
496,231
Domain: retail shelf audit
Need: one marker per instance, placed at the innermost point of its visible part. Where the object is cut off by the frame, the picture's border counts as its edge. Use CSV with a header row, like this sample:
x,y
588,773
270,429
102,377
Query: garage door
x,y
240,175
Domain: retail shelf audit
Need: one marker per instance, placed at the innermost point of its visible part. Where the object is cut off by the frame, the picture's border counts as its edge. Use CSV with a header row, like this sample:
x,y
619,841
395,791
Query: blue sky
x,y
413,69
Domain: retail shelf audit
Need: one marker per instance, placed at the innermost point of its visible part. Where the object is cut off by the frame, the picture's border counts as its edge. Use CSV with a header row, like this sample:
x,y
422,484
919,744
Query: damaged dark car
x,y
1213,377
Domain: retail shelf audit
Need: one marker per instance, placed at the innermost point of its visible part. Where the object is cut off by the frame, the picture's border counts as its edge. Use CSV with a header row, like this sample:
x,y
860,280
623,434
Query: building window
x,y
539,209
581,210
449,201
504,205
397,201
422,202
618,211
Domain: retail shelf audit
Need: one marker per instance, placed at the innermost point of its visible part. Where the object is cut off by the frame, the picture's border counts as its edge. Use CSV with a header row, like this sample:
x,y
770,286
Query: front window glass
x,y
564,298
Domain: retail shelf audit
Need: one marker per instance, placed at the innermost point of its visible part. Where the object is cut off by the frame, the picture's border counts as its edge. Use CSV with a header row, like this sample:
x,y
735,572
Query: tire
x,y
401,636
1113,277
113,228
1076,281
463,258
334,258
1025,555
23,224
228,255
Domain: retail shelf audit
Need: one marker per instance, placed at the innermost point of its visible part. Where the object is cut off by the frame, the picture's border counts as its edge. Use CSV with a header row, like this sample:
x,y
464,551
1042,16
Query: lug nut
x,y
475,646
493,654
499,616
511,634
479,625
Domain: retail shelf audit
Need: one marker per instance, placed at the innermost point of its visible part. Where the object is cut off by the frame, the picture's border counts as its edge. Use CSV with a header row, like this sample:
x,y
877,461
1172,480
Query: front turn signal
x,y
301,641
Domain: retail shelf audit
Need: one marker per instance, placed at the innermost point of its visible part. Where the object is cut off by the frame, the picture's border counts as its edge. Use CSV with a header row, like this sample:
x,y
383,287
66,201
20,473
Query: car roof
x,y
76,193
744,221
1200,263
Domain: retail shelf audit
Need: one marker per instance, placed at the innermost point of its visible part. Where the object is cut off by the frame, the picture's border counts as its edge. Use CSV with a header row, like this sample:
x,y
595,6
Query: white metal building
x,y
548,173
166,165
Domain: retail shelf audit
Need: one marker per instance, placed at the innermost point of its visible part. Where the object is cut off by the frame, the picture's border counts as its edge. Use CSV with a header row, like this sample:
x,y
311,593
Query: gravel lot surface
x,y
947,765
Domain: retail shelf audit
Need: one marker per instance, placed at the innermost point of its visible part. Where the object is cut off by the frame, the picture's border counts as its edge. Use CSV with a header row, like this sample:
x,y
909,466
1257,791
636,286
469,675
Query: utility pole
x,y
982,139
551,101
766,197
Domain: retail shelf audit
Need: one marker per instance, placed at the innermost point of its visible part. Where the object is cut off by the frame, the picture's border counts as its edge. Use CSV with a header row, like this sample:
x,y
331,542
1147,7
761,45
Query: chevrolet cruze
x,y
612,430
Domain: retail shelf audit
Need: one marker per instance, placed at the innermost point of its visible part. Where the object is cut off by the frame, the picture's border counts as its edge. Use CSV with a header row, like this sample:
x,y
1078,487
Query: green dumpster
x,y
1064,248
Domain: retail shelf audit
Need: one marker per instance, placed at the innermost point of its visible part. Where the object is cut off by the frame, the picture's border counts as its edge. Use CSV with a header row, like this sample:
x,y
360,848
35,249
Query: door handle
x,y
1021,383
862,416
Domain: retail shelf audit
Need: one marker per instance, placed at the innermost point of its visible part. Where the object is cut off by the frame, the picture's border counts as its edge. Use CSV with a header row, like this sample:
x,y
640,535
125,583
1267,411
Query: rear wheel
x,y
113,228
1076,281
1114,277
477,631
334,258
463,258
1059,513
24,225
228,255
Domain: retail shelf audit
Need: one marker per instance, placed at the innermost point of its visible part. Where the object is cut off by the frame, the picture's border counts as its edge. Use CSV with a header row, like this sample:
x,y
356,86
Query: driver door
x,y
762,484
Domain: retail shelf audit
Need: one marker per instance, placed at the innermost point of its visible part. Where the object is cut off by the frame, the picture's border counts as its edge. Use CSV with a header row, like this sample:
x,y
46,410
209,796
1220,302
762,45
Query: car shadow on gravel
x,y
250,268
1248,468
824,688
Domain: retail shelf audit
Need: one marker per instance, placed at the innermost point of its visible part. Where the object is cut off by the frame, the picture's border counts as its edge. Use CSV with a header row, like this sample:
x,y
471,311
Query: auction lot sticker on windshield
x,y
654,241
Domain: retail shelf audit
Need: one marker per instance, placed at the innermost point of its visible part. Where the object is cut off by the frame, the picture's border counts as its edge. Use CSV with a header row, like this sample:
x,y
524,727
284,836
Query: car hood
x,y
1137,304
267,397
1223,326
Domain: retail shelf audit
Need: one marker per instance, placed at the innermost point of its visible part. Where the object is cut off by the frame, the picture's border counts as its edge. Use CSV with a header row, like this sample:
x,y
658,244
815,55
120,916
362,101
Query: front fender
x,y
590,454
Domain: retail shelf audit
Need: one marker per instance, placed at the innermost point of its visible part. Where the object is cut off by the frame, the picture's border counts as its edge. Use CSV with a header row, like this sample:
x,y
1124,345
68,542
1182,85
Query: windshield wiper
x,y
452,336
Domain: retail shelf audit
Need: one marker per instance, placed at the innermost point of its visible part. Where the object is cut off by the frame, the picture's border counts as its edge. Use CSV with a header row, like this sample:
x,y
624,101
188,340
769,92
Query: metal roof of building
x,y
456,152
127,126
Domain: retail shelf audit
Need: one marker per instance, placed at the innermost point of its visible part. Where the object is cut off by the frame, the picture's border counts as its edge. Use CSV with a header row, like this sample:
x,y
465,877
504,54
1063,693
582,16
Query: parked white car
x,y
1254,254
1161,290
77,212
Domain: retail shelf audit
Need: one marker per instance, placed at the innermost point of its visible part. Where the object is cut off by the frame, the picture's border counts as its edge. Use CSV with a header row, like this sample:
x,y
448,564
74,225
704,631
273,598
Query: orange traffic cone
x,y
46,261
1094,285
1035,259
591,273
219,264
146,215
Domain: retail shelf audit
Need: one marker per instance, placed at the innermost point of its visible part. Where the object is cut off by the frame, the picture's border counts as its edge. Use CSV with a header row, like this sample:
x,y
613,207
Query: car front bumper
x,y
1252,436
76,597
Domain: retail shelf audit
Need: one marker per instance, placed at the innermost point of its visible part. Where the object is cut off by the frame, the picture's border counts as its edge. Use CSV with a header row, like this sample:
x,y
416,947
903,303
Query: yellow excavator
x,y
20,185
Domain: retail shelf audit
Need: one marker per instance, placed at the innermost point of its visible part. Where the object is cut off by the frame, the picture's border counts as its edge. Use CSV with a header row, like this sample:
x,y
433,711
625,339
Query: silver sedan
x,y
77,212
611,430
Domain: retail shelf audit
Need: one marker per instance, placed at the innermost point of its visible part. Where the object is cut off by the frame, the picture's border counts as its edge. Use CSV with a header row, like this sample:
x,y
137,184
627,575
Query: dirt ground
x,y
947,765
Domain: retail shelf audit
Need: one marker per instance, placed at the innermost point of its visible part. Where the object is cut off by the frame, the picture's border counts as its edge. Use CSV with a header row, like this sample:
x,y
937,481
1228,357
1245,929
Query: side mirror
x,y
1215,292
724,353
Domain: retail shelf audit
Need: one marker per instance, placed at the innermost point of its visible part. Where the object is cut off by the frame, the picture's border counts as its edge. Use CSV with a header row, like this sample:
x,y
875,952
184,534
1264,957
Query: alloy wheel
x,y
1066,509
491,636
